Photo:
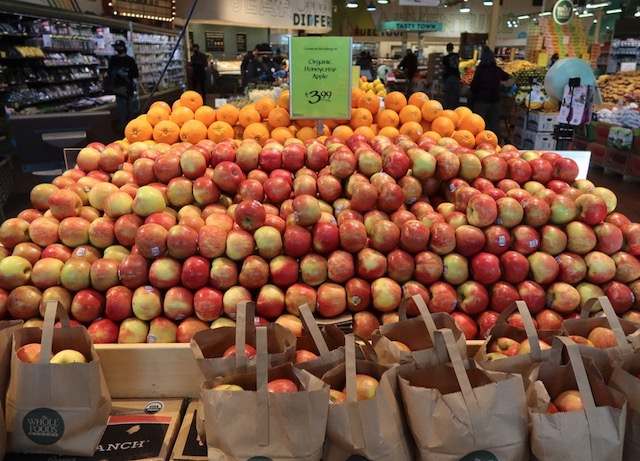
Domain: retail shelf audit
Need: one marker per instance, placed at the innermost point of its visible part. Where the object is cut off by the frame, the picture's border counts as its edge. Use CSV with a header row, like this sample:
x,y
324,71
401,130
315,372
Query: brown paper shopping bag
x,y
523,363
257,424
373,429
457,411
605,359
7,327
625,379
593,434
416,333
59,408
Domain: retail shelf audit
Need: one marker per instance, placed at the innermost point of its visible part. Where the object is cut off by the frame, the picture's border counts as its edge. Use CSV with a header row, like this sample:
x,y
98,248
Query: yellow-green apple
x,y
177,303
55,293
365,323
30,353
99,193
525,346
223,274
298,294
632,316
607,195
588,291
162,330
268,242
68,356
331,299
366,387
44,231
24,302
524,239
305,184
234,296
133,331
455,268
443,238
620,295
28,250
240,244
64,203
313,269
533,294
282,385
87,305
46,272
148,200
180,191
193,163
269,301
104,274
600,267
371,217
164,272
39,195
146,302
103,331
581,238
572,268
469,240
341,267
563,297
470,166
227,387
222,322
254,272
87,252
370,264
536,211
76,274
485,268
292,323
195,272
337,397
429,267
118,303
473,297
504,345
402,346
353,235
563,209
14,231
544,268
414,236
627,267
515,266
570,400
491,356
618,219
443,297
88,158
101,232
581,340
591,208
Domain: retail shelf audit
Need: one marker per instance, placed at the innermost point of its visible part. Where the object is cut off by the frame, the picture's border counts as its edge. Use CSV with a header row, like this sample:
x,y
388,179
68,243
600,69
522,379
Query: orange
x,y
433,135
431,109
462,111
369,101
162,104
305,133
473,123
356,93
387,117
418,98
156,114
138,130
257,131
220,130
283,99
167,132
390,132
487,136
265,105
193,131
443,126
278,117
410,113
465,138
228,113
281,134
181,114
344,132
395,100
191,99
411,129
455,118
175,104
367,131
206,114
310,122
360,117
248,115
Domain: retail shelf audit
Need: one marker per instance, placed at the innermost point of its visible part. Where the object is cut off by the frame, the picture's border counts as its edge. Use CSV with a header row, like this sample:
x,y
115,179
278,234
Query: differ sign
x,y
412,26
563,11
320,77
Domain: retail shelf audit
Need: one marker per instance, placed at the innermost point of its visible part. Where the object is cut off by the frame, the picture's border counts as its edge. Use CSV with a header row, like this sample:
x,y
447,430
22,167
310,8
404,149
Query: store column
x,y
493,24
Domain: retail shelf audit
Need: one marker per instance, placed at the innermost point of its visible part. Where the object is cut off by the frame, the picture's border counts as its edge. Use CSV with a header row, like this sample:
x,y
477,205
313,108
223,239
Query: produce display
x,y
624,116
162,234
616,87
514,66
376,86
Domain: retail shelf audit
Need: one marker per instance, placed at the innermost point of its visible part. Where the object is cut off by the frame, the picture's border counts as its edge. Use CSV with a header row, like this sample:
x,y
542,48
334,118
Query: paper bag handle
x,y
311,325
425,314
352,395
245,313
262,392
529,327
612,319
53,310
445,343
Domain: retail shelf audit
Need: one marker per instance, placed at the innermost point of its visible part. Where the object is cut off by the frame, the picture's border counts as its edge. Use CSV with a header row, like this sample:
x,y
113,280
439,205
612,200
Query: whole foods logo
x,y
563,11
481,455
43,426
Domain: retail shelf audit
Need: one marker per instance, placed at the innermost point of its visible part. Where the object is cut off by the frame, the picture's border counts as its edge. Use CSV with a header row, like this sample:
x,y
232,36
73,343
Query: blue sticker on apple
x,y
481,455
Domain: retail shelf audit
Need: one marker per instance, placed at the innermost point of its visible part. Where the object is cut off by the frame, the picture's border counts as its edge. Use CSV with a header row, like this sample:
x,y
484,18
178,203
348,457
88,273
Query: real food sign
x,y
320,77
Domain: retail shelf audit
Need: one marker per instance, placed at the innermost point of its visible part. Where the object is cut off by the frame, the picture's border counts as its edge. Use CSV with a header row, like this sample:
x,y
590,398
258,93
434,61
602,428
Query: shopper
x,y
279,58
451,78
554,58
366,65
261,68
199,64
250,56
485,90
122,76
409,65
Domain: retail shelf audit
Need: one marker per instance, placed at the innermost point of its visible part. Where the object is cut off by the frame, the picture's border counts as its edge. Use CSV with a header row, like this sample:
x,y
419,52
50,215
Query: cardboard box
x,y
598,153
616,159
138,430
533,140
542,122
188,447
632,168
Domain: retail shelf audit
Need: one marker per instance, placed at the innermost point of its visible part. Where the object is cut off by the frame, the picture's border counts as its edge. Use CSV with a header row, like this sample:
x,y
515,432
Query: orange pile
x,y
190,120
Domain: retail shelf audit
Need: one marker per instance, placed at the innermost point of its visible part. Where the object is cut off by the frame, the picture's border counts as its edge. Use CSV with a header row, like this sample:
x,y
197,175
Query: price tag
x,y
628,66
46,40
566,39
320,77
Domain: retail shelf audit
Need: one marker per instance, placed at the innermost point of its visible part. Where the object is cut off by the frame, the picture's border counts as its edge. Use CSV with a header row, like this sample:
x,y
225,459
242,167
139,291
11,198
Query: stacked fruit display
x,y
150,241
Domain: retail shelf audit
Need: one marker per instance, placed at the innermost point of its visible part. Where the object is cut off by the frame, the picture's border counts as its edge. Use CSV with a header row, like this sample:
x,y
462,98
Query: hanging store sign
x,y
563,11
419,3
411,26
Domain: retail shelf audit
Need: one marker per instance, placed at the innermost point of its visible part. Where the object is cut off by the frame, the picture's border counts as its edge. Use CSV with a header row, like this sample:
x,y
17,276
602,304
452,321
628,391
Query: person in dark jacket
x,y
122,75
451,78
409,65
198,65
486,88
261,68
250,56
366,65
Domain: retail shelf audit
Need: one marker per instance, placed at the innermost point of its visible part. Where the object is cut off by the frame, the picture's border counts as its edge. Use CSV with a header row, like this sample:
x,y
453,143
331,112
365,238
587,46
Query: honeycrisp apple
x,y
68,356
366,387
570,400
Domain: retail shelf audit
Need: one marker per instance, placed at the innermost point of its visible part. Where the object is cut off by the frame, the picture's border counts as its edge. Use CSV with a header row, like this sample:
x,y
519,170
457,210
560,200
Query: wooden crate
x,y
632,169
615,160
598,152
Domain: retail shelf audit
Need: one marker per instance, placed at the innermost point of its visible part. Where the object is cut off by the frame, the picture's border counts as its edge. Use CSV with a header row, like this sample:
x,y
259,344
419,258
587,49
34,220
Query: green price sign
x,y
320,77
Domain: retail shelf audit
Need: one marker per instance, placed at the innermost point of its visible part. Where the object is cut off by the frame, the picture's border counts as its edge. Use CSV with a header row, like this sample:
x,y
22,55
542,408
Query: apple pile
x,y
276,386
31,353
153,242
504,347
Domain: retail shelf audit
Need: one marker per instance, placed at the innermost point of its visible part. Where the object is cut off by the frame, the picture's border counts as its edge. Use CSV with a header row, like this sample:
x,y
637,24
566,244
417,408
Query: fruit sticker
x,y
481,455
43,426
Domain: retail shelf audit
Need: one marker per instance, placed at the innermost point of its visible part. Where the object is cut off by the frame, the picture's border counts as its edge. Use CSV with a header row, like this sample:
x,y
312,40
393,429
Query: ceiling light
x,y
545,13
595,20
614,11
637,13
488,3
371,6
465,9
591,6
585,15
383,2
524,16
352,4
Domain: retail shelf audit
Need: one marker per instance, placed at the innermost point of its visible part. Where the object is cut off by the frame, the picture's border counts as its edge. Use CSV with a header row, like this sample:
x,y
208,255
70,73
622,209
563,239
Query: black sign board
x,y
214,41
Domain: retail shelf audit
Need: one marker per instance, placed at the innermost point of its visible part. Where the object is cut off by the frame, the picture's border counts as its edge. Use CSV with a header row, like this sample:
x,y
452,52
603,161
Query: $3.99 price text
x,y
314,96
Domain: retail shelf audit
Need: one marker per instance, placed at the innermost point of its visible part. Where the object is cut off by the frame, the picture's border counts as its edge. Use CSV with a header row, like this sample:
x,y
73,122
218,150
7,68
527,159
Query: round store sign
x,y
563,11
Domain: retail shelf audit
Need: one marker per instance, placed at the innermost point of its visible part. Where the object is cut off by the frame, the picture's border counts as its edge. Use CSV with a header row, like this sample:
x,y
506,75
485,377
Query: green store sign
x,y
563,11
411,26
